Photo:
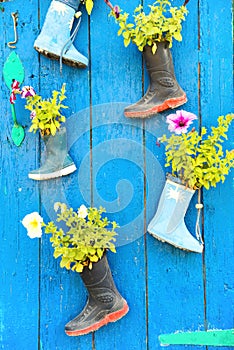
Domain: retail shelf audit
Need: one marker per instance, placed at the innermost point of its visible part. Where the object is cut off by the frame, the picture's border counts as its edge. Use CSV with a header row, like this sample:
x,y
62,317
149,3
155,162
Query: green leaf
x,y
79,267
53,129
177,36
17,134
127,42
154,48
13,69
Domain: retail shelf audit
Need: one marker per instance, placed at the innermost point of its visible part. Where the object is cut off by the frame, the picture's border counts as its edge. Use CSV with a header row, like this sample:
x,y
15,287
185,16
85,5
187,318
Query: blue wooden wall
x,y
121,168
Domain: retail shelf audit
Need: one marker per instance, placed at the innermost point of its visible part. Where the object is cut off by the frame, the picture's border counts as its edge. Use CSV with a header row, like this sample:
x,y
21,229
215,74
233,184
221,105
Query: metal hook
x,y
14,16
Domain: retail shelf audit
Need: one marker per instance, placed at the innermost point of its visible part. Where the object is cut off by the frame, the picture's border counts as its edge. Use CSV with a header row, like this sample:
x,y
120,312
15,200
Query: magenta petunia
x,y
116,11
179,122
27,91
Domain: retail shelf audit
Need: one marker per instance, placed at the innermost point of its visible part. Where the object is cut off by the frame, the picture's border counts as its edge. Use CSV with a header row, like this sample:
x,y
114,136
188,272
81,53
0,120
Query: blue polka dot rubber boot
x,y
168,223
55,40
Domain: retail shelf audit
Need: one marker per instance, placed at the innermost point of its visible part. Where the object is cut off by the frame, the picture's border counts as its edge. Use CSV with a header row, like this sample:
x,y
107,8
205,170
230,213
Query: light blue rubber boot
x,y
58,162
168,223
55,40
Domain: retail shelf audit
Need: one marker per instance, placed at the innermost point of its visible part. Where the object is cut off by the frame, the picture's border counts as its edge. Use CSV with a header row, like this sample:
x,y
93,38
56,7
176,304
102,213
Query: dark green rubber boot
x,y
104,304
164,91
58,162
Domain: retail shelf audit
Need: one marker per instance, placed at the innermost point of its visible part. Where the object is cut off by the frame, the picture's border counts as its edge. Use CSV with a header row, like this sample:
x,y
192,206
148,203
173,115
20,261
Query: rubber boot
x,y
164,91
58,162
104,304
55,40
168,223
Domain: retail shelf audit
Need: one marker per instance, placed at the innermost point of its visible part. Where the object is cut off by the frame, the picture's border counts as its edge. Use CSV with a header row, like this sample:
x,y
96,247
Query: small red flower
x,y
15,89
12,98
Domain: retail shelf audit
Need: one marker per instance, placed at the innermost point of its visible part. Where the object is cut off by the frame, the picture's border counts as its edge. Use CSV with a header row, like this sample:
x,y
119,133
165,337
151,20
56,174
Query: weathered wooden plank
x,y
175,284
35,294
19,263
217,99
62,295
118,170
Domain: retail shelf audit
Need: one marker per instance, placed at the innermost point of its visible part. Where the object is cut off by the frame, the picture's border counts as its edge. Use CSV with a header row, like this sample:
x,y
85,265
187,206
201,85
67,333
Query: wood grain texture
x,y
120,167
217,99
19,267
62,295
118,171
175,281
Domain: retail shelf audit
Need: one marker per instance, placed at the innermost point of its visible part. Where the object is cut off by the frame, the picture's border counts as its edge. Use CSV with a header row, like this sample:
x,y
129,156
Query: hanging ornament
x,y
13,70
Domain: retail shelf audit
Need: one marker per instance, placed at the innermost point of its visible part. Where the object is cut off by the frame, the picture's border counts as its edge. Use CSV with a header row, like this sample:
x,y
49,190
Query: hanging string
x,y
68,44
199,207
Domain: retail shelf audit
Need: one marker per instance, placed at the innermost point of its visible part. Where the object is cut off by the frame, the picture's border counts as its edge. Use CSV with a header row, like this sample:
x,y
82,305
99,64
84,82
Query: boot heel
x,y
117,315
176,102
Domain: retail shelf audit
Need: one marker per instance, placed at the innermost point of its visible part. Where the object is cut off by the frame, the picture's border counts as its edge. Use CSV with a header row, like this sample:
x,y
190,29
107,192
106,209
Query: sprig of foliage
x,y
46,115
85,240
162,23
199,159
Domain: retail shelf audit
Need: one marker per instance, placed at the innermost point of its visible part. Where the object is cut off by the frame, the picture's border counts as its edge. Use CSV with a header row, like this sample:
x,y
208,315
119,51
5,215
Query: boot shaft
x,y
173,205
99,282
161,70
58,22
56,146
72,3
161,60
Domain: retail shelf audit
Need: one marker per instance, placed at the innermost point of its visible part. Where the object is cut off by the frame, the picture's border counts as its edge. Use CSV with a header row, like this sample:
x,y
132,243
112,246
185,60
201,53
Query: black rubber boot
x,y
104,304
164,91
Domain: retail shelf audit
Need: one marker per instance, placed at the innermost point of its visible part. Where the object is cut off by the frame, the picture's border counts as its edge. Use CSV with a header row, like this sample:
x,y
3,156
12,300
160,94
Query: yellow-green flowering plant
x,y
198,158
46,114
162,23
87,235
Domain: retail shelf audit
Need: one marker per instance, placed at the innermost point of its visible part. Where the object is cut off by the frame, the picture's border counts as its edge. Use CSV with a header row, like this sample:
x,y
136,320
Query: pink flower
x,y
27,91
116,11
179,122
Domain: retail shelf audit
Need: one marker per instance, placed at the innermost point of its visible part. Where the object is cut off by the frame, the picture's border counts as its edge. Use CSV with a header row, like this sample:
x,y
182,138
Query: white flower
x,y
32,222
82,212
56,206
61,206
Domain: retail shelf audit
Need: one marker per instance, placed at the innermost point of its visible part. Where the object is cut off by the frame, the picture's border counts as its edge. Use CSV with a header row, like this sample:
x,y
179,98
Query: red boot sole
x,y
114,316
171,103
